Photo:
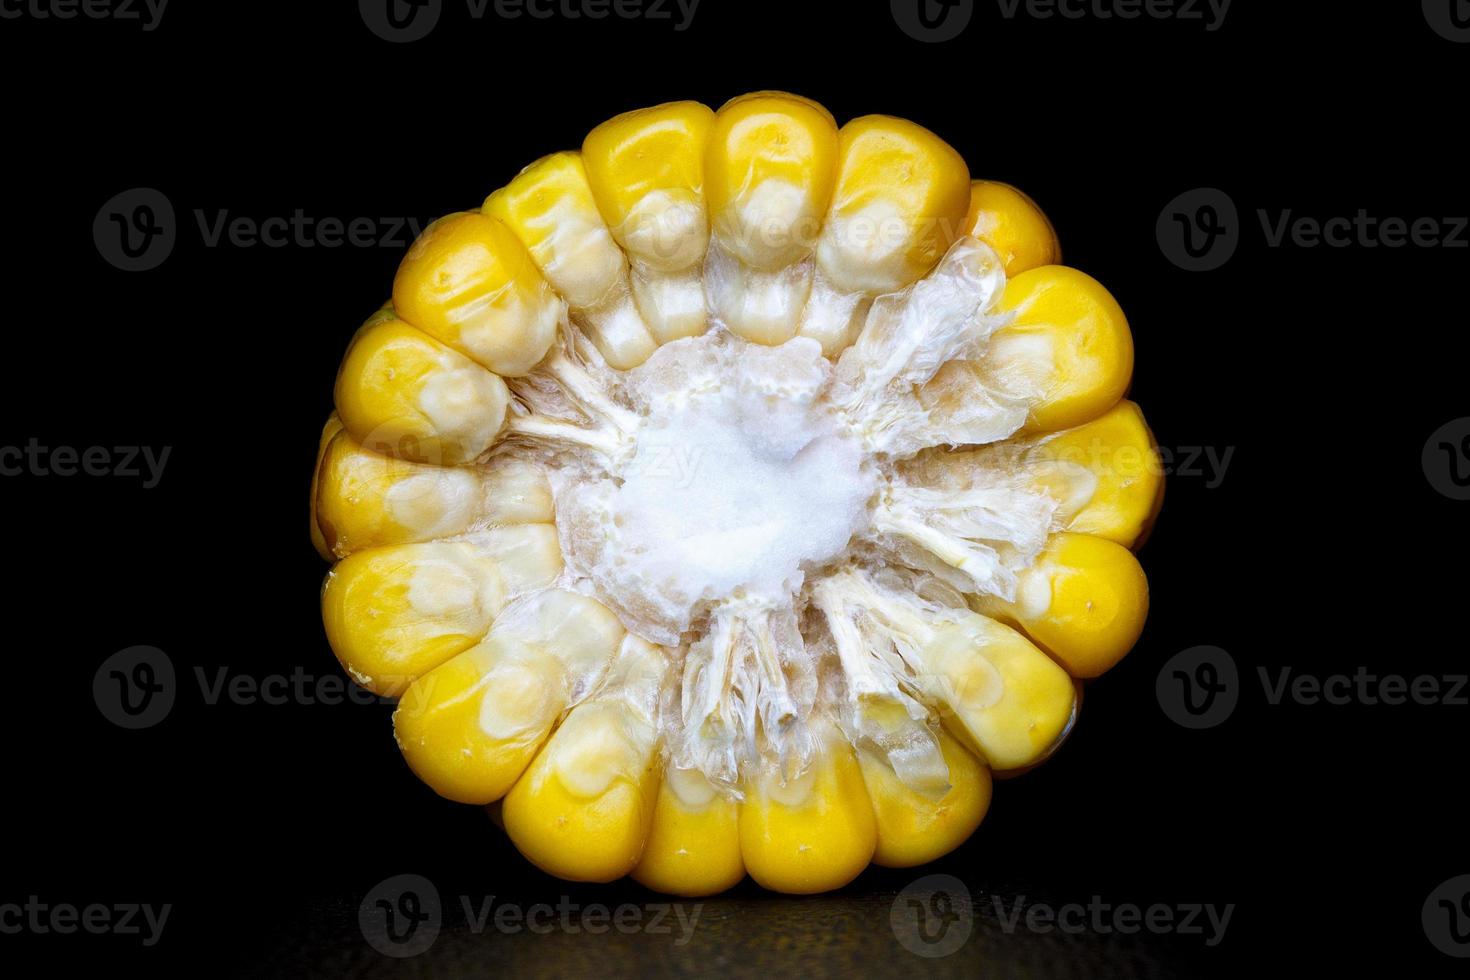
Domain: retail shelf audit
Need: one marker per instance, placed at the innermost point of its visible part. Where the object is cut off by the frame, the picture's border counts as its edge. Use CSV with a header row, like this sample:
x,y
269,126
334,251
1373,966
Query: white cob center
x,y
697,494
742,478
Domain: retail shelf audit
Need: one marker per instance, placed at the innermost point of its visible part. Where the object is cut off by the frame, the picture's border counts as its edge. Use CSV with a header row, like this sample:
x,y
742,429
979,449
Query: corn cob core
x,y
732,495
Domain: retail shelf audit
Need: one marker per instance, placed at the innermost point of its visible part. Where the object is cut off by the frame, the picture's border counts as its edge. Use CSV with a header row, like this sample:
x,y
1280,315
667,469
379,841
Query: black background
x,y
1323,547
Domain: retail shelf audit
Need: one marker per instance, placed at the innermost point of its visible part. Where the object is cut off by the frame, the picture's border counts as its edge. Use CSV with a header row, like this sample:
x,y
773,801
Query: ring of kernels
x,y
734,496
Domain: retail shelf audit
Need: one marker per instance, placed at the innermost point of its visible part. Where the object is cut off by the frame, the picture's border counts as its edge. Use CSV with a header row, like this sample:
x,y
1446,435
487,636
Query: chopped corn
x,y
565,489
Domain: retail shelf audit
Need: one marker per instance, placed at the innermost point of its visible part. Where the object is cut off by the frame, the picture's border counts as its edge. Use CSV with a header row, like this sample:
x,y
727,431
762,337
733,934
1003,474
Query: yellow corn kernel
x,y
1012,224
468,282
1079,690
402,393
470,726
550,207
1084,600
646,171
693,846
393,613
1069,346
1106,474
583,809
899,203
814,832
770,166
1009,701
914,829
330,429
366,500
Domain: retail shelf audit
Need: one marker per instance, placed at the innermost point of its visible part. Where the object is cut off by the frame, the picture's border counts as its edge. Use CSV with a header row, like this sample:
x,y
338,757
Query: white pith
x,y
747,507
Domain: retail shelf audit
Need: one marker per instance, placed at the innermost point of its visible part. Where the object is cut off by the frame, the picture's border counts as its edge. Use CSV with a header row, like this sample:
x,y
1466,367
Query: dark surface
x,y
1323,547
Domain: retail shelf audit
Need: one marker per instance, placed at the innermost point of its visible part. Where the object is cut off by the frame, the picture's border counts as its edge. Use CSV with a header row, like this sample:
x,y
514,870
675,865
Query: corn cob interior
x,y
733,496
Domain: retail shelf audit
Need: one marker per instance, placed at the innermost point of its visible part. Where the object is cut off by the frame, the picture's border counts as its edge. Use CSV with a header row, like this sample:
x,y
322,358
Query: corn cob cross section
x,y
734,495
